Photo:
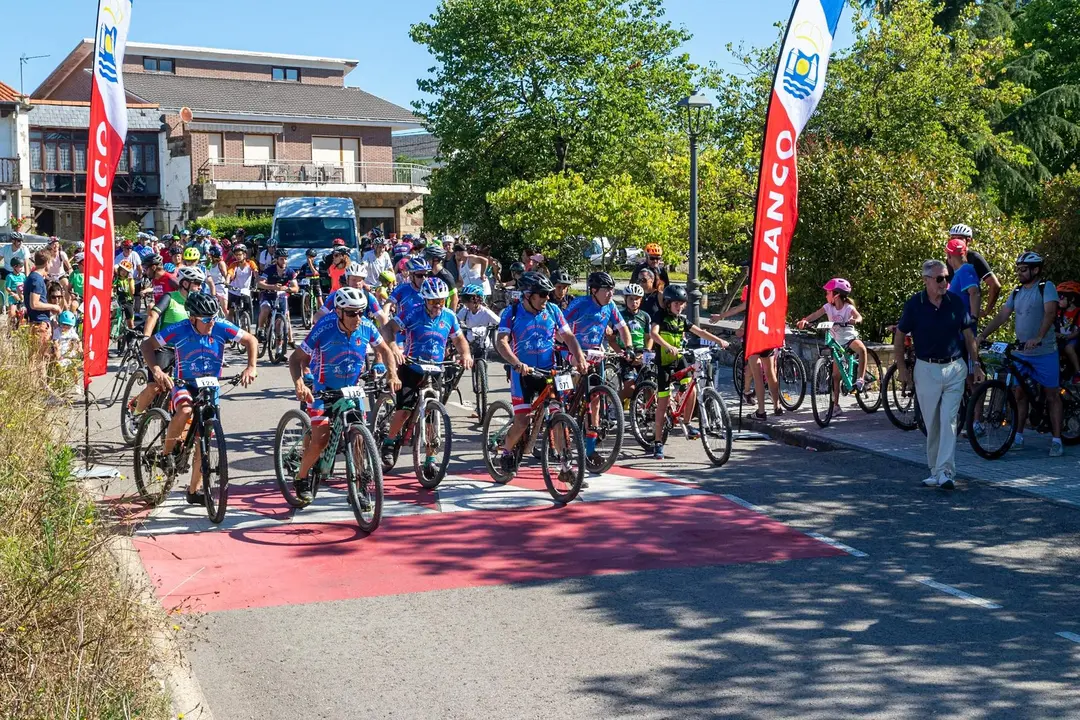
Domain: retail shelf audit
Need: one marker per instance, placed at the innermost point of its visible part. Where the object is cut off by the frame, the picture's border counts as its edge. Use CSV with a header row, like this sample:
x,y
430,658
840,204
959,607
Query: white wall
x,y
175,179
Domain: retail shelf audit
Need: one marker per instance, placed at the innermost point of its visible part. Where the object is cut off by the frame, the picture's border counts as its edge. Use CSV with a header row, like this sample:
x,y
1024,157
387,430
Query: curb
x,y
798,437
184,692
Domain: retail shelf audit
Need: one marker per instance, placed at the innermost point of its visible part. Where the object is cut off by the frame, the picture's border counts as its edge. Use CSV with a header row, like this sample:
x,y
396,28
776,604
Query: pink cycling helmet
x,y
956,246
838,284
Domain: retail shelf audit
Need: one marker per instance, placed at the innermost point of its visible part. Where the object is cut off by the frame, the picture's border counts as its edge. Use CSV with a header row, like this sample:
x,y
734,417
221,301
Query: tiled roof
x,y
268,98
422,146
8,94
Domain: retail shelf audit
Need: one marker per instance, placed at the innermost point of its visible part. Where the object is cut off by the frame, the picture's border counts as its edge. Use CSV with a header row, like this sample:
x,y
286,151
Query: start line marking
x,y
973,599
838,545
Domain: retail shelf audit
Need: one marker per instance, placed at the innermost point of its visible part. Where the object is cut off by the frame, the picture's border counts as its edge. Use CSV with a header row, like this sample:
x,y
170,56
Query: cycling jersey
x,y
672,329
163,285
589,320
406,297
426,336
198,355
638,323
273,275
373,305
338,359
170,309
532,335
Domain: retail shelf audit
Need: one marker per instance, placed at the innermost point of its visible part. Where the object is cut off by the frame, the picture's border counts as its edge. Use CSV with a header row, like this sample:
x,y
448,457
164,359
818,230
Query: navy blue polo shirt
x,y
936,330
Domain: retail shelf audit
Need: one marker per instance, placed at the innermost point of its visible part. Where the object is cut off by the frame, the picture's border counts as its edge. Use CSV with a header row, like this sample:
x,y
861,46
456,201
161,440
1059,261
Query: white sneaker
x,y
1056,450
931,481
945,482
1018,443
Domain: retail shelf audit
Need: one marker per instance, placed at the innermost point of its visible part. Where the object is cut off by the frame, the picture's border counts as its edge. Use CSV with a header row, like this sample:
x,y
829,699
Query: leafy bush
x,y
226,225
1059,227
129,231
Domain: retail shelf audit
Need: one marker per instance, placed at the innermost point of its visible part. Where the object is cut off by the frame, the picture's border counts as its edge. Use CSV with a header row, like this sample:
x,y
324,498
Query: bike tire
x,y
244,321
293,429
363,474
279,347
480,386
571,465
129,422
643,415
791,376
738,371
714,423
379,424
215,470
498,418
437,427
899,402
821,392
612,424
873,389
305,312
151,479
1070,419
999,416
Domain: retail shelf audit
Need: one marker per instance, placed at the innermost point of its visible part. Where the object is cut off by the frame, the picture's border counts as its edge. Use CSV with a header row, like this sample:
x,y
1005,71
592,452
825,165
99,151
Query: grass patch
x,y
74,637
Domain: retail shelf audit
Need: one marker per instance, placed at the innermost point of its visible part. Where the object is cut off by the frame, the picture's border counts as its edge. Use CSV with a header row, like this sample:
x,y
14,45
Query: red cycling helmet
x,y
339,241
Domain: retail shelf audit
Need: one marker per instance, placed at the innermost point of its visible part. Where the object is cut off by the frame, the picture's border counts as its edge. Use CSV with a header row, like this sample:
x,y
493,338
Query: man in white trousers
x,y
940,323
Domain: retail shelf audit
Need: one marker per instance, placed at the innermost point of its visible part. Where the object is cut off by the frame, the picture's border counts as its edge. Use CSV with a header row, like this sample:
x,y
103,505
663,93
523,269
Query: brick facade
x,y
236,70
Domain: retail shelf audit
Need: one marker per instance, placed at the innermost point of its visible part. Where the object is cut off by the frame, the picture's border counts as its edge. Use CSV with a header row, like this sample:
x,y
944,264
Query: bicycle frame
x,y
342,412
845,360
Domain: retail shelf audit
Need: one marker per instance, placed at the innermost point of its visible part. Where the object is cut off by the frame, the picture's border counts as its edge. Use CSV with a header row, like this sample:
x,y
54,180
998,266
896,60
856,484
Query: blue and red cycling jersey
x,y
589,321
426,336
532,335
337,359
198,355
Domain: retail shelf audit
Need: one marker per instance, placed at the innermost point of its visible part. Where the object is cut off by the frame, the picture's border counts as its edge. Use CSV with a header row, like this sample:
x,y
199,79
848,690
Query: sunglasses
x,y
208,320
938,279
353,313
419,275
542,293
655,257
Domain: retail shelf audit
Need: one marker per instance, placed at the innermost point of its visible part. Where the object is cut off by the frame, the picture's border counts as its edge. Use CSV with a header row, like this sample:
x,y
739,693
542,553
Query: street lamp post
x,y
696,109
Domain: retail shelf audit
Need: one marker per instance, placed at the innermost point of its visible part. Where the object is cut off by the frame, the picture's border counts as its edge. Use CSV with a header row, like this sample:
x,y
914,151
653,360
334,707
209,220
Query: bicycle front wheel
x,y
714,422
562,457
363,473
480,386
991,419
609,431
899,401
431,447
281,335
791,376
129,421
643,415
154,474
872,394
821,392
498,418
215,470
292,436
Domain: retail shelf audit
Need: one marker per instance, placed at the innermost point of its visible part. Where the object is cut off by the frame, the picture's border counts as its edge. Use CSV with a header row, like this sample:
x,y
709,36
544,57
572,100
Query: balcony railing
x,y
9,171
300,171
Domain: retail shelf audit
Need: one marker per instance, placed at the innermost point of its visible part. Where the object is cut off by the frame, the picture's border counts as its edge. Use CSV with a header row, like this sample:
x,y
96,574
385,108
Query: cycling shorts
x,y
268,300
665,375
523,390
411,379
316,410
182,394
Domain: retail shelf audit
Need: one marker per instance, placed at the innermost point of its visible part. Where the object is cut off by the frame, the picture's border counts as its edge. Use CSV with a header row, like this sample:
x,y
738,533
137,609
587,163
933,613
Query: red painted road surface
x,y
307,563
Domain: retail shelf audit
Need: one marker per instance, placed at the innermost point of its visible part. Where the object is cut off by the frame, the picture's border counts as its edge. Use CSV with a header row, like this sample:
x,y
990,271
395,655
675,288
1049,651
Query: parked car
x,y
599,253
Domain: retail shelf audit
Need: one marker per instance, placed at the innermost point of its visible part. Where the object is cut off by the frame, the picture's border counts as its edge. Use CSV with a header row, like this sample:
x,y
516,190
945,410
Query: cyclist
x,y
334,271
406,296
654,263
193,258
336,348
124,290
476,318
377,260
266,257
843,314
354,278
590,317
561,295
241,273
983,272
387,280
427,328
669,332
274,283
639,323
1068,325
435,255
199,346
217,273
1035,303
527,333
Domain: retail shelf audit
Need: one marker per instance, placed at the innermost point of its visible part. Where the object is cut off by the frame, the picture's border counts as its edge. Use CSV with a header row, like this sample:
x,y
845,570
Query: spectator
x,y
1068,325
13,289
651,303
59,267
1035,304
39,312
654,262
16,250
939,322
472,269
67,345
983,271
378,261
78,280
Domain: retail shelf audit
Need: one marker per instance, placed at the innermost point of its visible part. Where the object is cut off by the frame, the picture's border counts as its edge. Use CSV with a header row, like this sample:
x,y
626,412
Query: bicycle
x,y
130,347
899,398
993,434
428,426
156,471
562,441
592,387
136,383
277,329
821,378
310,301
714,421
363,468
240,310
790,376
479,346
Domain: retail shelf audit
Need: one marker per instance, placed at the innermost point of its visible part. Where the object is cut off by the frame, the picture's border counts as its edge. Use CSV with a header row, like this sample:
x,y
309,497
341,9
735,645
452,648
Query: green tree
x,y
559,213
525,88
1059,227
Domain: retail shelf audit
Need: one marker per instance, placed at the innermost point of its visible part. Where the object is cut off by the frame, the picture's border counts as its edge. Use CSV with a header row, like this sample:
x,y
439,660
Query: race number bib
x,y
563,383
206,382
999,348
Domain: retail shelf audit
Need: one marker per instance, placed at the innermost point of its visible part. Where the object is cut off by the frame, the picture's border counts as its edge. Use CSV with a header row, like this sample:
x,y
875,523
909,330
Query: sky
x,y
374,33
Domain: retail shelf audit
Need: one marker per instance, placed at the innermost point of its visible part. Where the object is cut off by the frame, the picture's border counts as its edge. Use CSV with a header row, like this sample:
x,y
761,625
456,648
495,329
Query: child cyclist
x,y
668,331
639,323
1068,325
843,314
13,286
124,289
476,318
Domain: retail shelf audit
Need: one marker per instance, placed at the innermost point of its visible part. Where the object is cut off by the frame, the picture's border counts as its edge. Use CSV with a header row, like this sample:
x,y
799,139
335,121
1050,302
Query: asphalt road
x,y
655,607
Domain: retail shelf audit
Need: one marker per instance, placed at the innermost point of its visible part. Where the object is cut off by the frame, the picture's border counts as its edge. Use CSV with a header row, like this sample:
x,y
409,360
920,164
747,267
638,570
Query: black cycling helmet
x,y
214,251
280,253
675,293
152,260
200,304
517,267
561,277
598,280
535,282
340,250
311,252
435,252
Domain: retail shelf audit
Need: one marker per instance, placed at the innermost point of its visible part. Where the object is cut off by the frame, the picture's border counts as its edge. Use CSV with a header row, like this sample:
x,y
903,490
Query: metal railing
x,y
9,171
304,171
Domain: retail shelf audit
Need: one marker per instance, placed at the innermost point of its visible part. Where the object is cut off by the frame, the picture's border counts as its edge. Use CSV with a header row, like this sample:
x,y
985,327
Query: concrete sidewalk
x,y
1030,471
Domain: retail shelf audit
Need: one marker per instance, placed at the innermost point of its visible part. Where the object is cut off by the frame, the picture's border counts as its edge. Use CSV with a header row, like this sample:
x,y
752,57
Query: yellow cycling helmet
x,y
192,254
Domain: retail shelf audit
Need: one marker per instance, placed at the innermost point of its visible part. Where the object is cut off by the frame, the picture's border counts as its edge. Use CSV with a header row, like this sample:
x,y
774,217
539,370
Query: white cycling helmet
x,y
356,269
633,290
350,298
434,289
960,230
192,273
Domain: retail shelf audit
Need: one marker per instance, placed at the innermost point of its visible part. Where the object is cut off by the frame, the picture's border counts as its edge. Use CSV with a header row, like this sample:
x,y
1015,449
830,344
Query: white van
x,y
301,223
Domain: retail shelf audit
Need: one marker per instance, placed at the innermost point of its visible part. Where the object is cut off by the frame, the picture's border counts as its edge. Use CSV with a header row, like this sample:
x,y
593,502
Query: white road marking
x,y
1069,636
748,505
838,545
973,599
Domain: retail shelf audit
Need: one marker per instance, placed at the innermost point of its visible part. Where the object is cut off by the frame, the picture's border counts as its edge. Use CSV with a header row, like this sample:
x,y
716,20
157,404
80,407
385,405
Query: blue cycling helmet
x,y
434,289
472,290
418,265
66,318
169,267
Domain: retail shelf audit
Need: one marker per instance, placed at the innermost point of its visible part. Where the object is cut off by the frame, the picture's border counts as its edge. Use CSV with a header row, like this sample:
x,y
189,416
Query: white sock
x,y
1056,440
1020,437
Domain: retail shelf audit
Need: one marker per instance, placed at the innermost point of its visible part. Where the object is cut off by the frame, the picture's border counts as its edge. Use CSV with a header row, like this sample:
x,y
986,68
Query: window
x,y
58,162
215,148
258,149
164,65
285,74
